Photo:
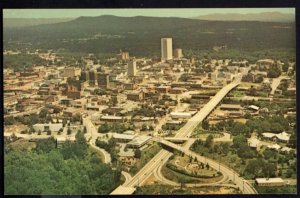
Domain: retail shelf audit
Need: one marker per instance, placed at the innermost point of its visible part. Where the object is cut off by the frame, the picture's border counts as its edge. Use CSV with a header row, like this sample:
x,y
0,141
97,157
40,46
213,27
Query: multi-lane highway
x,y
227,172
186,131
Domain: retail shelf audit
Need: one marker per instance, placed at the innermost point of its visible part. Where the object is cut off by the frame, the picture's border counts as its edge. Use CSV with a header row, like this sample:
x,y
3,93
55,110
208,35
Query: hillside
x,y
264,16
141,35
23,22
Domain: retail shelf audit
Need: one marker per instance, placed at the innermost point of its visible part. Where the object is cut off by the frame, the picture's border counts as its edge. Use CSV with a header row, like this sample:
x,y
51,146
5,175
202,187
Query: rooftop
x,y
269,180
112,117
139,140
123,136
235,106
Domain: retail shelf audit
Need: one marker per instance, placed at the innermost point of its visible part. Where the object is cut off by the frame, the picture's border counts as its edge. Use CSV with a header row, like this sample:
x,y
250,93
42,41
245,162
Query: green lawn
x,y
158,189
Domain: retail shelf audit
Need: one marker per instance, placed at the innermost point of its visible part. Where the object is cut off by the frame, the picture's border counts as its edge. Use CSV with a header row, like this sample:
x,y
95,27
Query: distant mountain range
x,y
23,22
264,16
141,35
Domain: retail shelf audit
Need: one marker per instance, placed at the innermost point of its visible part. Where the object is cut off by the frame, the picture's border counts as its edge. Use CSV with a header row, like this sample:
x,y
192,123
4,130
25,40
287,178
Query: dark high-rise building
x,y
92,77
85,75
103,80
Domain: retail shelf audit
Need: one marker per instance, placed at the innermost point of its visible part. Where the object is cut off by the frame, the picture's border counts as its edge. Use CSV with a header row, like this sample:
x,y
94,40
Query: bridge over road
x,y
243,185
185,131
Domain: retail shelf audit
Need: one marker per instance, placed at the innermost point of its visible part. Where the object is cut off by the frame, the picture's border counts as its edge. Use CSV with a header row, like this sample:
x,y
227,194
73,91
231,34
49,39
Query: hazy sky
x,y
73,13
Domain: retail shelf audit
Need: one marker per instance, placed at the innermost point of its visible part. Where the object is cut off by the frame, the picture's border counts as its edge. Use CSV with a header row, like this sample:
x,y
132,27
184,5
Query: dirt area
x,y
241,120
214,190
23,145
151,180
16,128
246,84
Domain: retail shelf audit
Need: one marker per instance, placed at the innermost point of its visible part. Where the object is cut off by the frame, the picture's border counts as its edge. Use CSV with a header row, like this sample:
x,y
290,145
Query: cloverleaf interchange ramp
x,y
163,156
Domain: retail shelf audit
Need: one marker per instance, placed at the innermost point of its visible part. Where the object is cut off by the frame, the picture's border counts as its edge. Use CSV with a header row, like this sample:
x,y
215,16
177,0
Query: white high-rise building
x,y
166,49
131,68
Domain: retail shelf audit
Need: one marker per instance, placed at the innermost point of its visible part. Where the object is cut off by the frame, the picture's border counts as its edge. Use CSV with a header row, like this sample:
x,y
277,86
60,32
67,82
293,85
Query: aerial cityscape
x,y
137,104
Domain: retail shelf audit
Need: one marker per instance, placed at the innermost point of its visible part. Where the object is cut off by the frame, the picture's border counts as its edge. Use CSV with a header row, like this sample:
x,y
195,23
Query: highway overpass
x,y
163,156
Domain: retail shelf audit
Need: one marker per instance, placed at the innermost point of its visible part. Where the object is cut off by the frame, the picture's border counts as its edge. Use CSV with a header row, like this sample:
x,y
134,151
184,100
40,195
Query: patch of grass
x,y
23,145
276,189
146,155
158,189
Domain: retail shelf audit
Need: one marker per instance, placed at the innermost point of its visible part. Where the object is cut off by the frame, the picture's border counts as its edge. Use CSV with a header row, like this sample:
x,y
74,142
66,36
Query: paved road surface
x,y
275,83
186,130
243,185
127,177
91,129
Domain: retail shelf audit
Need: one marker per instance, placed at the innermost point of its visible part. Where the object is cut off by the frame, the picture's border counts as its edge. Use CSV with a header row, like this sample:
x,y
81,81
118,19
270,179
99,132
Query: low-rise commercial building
x,y
44,127
139,141
269,181
135,96
111,119
124,138
230,107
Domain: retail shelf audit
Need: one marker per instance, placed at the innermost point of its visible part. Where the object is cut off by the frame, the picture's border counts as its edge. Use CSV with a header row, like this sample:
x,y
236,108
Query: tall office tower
x,y
131,68
178,53
166,49
103,80
92,77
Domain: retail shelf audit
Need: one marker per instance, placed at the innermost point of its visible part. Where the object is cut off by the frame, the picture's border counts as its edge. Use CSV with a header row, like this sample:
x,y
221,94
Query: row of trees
x,y
109,146
276,124
116,127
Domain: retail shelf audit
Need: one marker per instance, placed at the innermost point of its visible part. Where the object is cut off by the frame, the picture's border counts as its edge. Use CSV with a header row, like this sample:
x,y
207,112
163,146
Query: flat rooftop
x,y
139,140
269,180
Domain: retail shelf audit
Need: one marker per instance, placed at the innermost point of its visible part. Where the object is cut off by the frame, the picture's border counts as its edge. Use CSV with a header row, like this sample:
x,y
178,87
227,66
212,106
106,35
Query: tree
x,y
69,131
43,113
247,116
104,128
224,146
48,132
137,153
45,145
272,73
9,120
209,141
31,129
269,154
205,125
285,67
239,140
144,127
259,79
114,100
207,166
